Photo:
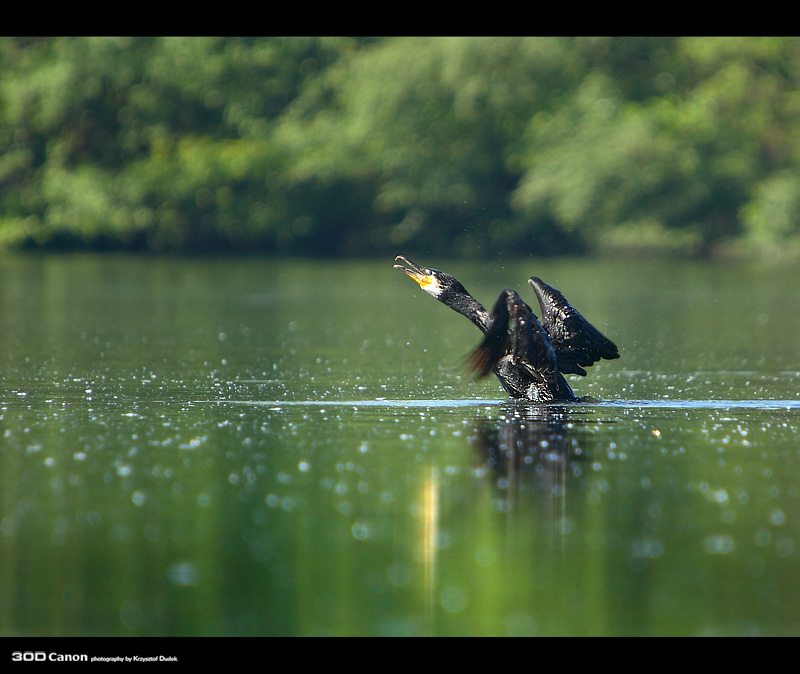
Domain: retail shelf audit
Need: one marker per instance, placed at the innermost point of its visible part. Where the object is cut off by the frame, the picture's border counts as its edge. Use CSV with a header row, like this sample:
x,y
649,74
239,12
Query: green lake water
x,y
261,447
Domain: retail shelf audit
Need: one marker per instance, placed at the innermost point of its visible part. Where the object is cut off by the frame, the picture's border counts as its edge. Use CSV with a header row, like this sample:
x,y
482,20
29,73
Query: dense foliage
x,y
359,146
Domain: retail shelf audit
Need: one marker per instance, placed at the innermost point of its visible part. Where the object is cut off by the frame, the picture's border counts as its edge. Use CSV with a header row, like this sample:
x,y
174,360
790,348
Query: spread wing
x,y
576,341
514,332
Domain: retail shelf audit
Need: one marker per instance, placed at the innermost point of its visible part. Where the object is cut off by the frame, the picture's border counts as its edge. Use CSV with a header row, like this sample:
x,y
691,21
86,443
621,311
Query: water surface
x,y
259,447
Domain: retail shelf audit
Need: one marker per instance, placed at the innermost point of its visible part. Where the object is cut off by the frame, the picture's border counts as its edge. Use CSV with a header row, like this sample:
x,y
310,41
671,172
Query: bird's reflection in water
x,y
525,438
530,454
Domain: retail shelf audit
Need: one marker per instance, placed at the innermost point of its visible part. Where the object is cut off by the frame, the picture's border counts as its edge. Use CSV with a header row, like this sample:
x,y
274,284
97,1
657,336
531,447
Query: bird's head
x,y
438,284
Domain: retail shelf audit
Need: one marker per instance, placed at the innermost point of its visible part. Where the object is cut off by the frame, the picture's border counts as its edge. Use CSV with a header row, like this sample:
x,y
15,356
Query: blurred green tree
x,y
359,146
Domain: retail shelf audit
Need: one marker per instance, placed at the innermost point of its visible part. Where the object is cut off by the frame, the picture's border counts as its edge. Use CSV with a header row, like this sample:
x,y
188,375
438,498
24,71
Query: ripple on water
x,y
698,404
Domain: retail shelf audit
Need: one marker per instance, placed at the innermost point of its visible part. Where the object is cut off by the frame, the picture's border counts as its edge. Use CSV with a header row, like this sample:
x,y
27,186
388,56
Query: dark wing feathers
x,y
495,342
576,341
514,331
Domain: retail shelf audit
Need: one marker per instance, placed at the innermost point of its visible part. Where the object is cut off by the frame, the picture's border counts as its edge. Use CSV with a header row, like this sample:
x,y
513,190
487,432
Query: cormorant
x,y
529,357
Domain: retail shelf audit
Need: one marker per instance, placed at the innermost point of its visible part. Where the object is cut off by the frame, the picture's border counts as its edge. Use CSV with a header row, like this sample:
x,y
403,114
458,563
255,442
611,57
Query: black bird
x,y
529,357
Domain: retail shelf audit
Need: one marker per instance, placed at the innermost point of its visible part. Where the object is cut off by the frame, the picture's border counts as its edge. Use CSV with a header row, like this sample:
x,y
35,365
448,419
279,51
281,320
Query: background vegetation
x,y
356,146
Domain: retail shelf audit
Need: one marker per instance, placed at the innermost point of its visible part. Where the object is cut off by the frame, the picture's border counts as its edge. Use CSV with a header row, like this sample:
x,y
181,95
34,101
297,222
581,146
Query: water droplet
x,y
183,574
361,531
454,599
719,545
777,517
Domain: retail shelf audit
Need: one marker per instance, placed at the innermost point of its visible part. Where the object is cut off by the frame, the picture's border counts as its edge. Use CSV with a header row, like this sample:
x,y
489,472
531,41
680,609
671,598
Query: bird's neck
x,y
468,306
